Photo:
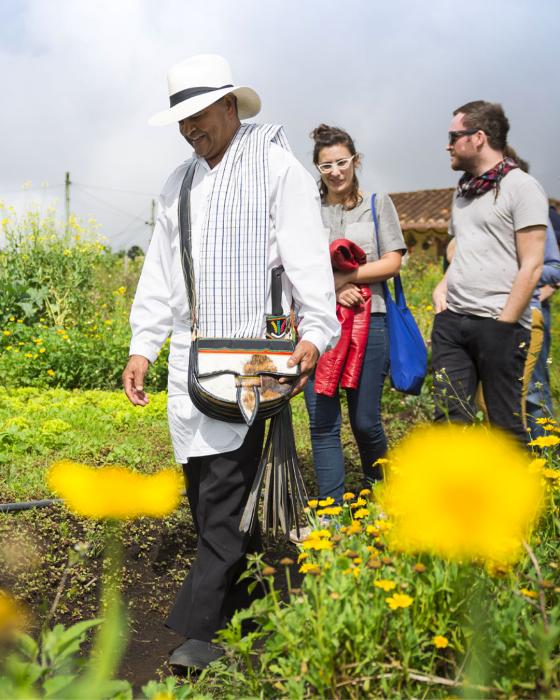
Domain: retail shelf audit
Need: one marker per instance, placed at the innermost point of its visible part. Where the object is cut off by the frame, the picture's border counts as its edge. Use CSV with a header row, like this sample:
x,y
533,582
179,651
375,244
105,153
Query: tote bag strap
x,y
185,236
399,291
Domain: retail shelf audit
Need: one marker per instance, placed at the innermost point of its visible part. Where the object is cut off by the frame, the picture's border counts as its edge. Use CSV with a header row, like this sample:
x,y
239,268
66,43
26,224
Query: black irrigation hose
x,y
27,505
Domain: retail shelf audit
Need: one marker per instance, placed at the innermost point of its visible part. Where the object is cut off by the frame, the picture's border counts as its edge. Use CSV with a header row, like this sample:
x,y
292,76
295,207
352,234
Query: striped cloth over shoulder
x,y
233,275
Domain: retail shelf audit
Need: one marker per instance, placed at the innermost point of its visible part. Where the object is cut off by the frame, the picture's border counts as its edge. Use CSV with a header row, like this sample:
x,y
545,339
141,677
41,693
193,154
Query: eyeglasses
x,y
341,164
454,135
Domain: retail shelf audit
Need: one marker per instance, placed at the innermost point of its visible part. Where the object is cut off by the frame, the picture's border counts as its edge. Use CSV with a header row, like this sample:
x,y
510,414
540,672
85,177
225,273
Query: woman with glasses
x,y
347,214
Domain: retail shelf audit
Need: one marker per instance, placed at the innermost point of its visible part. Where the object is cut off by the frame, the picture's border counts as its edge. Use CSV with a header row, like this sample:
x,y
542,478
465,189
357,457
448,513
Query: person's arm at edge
x,y
530,252
439,295
150,316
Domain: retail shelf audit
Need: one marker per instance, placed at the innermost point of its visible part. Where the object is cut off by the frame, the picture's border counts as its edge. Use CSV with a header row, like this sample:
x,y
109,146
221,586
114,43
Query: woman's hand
x,y
349,295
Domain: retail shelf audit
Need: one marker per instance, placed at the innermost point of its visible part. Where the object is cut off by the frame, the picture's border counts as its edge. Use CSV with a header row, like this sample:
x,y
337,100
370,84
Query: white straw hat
x,y
198,82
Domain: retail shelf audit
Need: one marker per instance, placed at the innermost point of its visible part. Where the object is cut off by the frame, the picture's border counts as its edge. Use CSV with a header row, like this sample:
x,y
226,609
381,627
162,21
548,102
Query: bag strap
x,y
400,298
185,241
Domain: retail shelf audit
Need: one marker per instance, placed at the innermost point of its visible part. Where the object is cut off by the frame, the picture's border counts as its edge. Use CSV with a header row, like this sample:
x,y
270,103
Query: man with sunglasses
x,y
498,224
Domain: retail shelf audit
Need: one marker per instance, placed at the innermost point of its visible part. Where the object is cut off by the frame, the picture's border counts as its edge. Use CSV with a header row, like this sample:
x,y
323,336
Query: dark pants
x,y
467,350
364,409
217,488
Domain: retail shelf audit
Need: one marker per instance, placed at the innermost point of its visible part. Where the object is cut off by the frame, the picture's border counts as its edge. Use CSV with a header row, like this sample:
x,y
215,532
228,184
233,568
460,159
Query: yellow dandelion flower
x,y
359,503
536,465
372,530
361,513
354,528
115,492
348,496
461,492
541,421
331,510
318,534
365,492
326,502
385,584
309,568
302,556
399,600
382,525
528,594
51,372
381,460
317,544
551,474
545,441
440,642
7,333
313,503
41,350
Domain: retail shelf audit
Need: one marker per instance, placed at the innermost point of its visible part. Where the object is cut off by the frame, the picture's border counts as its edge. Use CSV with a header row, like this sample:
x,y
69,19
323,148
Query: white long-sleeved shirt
x,y
297,241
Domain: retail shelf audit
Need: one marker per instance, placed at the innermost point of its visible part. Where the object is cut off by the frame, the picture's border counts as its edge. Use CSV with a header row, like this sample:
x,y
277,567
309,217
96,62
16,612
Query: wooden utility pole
x,y
67,184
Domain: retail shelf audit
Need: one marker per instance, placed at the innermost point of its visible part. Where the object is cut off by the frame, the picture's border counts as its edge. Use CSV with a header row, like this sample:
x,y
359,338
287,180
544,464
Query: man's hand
x,y
545,292
133,379
439,296
349,295
305,355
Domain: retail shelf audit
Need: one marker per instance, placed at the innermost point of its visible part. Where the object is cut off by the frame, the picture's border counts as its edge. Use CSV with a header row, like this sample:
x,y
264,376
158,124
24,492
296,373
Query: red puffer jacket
x,y
344,362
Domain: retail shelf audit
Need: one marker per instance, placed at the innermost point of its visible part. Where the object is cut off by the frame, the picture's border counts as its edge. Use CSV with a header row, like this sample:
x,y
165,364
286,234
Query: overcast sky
x,y
80,78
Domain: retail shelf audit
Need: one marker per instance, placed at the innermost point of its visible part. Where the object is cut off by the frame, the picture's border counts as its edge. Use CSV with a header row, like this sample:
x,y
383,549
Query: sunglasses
x,y
341,164
455,135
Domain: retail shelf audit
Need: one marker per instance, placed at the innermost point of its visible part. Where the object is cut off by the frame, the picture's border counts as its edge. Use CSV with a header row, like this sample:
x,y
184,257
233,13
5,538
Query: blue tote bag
x,y
408,356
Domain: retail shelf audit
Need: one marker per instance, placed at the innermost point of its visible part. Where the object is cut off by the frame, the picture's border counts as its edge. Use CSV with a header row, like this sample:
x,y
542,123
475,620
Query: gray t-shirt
x,y
357,225
485,263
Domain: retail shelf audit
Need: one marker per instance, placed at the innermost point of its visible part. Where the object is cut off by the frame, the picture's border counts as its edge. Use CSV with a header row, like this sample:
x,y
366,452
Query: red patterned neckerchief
x,y
471,186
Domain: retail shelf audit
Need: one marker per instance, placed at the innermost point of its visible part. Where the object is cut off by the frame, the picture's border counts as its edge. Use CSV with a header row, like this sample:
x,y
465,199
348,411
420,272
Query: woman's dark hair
x,y
325,136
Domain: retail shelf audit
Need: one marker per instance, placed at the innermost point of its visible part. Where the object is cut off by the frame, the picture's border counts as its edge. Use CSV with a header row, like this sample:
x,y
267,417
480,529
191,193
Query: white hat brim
x,y
248,105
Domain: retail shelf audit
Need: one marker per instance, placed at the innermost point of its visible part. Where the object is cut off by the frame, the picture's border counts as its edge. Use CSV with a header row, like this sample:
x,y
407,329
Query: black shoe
x,y
194,654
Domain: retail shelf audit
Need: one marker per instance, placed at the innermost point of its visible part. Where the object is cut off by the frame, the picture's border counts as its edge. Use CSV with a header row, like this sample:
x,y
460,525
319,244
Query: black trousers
x,y
467,350
217,488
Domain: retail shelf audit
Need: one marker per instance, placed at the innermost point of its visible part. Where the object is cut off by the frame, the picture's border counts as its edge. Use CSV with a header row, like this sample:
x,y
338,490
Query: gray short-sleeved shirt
x,y
357,225
485,262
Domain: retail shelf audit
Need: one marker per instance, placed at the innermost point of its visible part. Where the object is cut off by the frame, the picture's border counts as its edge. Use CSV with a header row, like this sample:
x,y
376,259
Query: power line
x,y
108,204
113,189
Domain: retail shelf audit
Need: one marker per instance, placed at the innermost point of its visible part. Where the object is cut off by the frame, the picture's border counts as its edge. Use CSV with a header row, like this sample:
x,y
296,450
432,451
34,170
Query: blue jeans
x,y
364,408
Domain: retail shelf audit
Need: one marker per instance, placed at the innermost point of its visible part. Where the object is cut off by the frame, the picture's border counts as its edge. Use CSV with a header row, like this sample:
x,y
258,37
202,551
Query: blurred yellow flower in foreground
x,y
385,584
461,493
12,616
115,492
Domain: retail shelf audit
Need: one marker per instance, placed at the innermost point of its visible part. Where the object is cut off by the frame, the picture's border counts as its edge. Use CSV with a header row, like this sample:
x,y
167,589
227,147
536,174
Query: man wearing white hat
x,y
253,207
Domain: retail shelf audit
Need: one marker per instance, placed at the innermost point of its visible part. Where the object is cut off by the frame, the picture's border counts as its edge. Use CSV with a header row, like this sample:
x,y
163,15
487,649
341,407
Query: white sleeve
x,y
151,318
303,245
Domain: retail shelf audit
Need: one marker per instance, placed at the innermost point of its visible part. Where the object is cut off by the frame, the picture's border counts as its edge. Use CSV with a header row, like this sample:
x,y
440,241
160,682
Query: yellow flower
x,y
354,528
385,584
552,474
115,492
42,350
310,569
318,534
326,502
440,642
12,615
332,510
461,492
360,502
365,492
399,600
381,460
7,332
361,513
313,503
316,543
51,372
372,530
536,465
545,441
348,496
539,421
528,594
